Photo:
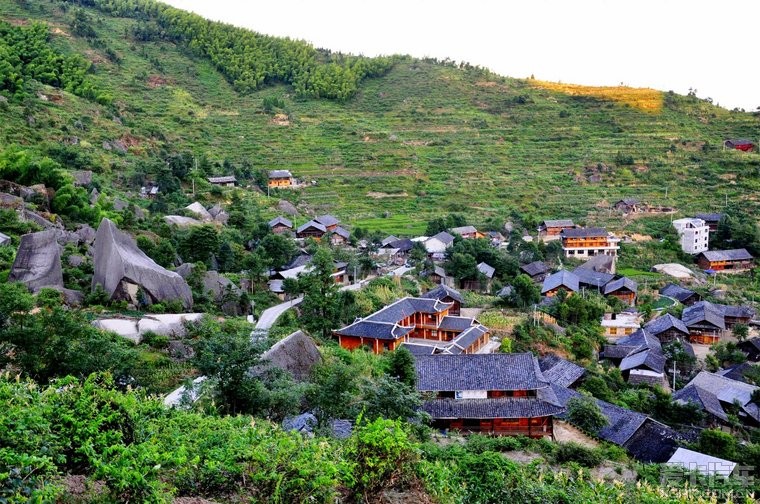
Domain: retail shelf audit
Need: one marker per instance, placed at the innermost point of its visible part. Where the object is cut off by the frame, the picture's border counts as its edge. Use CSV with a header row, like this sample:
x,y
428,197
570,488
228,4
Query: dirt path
x,y
565,433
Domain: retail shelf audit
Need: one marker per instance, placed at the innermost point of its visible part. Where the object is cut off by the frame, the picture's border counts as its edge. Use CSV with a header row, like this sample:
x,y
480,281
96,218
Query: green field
x,y
426,139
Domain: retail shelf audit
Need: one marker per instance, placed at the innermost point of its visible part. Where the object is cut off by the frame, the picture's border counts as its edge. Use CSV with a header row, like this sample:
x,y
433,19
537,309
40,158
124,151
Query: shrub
x,y
584,412
155,340
573,452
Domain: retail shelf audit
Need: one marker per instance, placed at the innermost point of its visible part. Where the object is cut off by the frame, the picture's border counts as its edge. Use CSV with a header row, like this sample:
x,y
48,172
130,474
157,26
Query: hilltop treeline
x,y
247,59
26,54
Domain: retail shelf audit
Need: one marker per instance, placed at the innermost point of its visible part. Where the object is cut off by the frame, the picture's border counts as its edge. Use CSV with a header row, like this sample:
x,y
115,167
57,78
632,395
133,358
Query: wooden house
x,y
562,279
467,232
741,144
447,295
339,236
280,225
279,178
536,270
618,325
628,206
668,328
551,229
711,219
501,394
426,321
751,347
705,322
686,297
227,181
438,276
484,280
330,222
718,396
726,261
734,315
583,243
311,229
437,245
639,357
624,289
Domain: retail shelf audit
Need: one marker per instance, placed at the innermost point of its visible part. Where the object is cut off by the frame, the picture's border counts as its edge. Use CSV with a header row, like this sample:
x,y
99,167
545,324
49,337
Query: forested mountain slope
x,y
388,142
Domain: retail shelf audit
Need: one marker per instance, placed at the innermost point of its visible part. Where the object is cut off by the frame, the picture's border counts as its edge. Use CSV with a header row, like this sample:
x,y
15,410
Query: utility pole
x,y
674,374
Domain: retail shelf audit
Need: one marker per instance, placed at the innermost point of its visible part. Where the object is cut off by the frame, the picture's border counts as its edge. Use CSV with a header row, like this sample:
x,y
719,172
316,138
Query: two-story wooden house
x,y
551,229
560,280
447,295
504,394
583,243
726,261
280,225
279,178
624,289
311,229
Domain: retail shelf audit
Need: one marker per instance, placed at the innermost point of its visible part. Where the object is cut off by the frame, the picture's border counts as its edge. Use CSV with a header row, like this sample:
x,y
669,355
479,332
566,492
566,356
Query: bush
x,y
573,452
155,340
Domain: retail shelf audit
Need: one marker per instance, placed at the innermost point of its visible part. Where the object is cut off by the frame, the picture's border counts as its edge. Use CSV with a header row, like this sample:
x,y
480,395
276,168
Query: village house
x,y
583,243
536,270
713,393
639,357
693,235
707,465
711,219
592,280
751,347
439,276
726,261
600,264
629,206
686,297
279,178
436,246
311,229
280,225
467,232
618,325
561,372
149,192
416,321
339,236
402,245
624,289
447,295
736,372
496,239
668,328
741,144
562,279
330,222
551,229
502,394
484,280
227,180
705,322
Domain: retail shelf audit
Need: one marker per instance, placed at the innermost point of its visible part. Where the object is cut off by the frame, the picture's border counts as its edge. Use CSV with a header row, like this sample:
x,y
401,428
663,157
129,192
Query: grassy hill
x,y
425,138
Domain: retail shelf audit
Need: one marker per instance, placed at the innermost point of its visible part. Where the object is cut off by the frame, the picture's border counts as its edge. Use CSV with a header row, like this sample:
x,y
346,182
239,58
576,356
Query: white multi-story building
x,y
694,234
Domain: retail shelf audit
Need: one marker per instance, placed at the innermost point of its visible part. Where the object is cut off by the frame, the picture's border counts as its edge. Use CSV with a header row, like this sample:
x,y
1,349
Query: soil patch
x,y
381,195
280,120
566,433
155,81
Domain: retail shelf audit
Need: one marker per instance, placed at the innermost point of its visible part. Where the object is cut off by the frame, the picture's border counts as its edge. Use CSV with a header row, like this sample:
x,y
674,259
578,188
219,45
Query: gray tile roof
x,y
709,217
276,174
619,284
468,337
327,220
280,220
311,224
590,278
222,180
388,240
442,292
665,323
341,232
703,311
403,244
653,442
558,223
535,268
677,292
562,278
404,307
502,407
736,372
464,230
486,269
724,389
452,323
650,359
703,399
376,330
443,237
591,232
560,371
727,255
601,263
517,371
736,311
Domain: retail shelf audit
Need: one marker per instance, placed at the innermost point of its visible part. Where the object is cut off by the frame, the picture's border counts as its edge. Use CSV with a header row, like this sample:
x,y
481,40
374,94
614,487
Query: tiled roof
x,y
535,268
502,407
280,174
621,283
704,399
665,323
705,464
703,311
222,180
591,232
650,359
341,232
591,278
628,201
464,230
726,390
653,442
558,223
562,278
560,371
403,244
443,237
452,323
442,291
677,292
376,330
709,217
486,269
399,310
736,372
468,337
600,263
280,220
327,220
727,255
388,240
311,224
736,311
518,371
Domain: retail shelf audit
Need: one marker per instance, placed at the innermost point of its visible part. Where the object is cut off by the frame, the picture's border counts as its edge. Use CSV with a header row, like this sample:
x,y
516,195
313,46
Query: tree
x,y
199,244
387,397
279,250
320,306
741,331
401,366
526,292
334,391
462,267
584,412
717,443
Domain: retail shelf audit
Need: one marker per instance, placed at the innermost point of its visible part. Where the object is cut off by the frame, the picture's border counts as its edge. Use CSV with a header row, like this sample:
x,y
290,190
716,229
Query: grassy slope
x,y
439,139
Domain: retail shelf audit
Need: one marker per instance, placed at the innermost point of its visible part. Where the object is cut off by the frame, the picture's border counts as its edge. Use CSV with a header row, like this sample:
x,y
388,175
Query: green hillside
x,y
422,139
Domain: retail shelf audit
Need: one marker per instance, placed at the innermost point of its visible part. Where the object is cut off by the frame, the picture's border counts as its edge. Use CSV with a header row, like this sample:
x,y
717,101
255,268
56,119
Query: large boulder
x,y
199,211
296,354
219,214
287,207
38,261
225,292
121,268
181,221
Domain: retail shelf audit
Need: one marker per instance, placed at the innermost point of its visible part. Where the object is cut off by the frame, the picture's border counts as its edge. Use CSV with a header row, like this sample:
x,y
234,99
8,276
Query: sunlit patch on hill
x,y
646,99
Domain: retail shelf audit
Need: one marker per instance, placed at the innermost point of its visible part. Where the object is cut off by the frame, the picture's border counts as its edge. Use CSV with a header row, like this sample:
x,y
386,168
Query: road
x,y
270,315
